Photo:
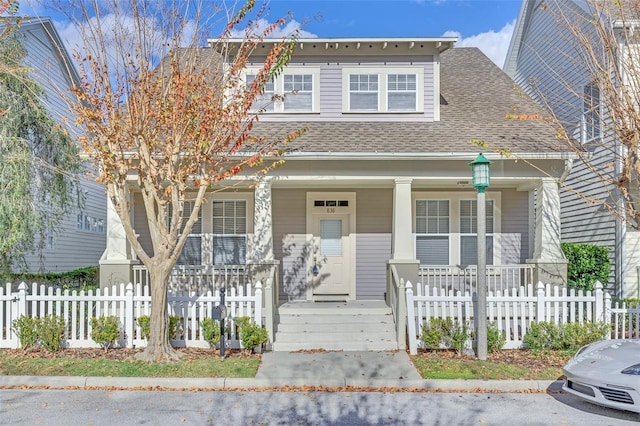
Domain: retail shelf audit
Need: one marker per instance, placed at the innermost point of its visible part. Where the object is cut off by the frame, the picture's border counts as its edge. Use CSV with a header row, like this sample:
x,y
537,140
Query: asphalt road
x,y
99,407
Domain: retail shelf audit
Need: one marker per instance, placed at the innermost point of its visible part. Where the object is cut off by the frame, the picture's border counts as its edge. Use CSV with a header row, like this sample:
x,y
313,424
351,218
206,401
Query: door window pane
x,y
331,237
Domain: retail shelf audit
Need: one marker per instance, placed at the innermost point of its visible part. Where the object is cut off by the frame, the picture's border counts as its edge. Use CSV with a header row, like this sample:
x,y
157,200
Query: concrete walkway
x,y
380,370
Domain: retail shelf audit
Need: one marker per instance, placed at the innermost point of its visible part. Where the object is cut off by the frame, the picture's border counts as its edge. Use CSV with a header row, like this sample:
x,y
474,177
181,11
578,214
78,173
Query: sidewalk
x,y
378,370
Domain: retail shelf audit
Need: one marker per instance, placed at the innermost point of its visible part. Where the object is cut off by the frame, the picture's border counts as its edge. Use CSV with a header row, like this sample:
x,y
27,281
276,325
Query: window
x,y
79,221
469,231
398,89
298,92
49,239
264,101
229,232
363,92
402,92
432,232
191,253
445,227
591,113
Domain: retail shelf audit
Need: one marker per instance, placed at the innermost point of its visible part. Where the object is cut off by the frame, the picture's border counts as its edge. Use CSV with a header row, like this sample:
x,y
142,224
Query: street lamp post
x,y
480,173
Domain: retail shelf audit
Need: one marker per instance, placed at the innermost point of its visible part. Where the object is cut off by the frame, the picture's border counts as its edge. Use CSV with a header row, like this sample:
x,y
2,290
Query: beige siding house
x,y
381,181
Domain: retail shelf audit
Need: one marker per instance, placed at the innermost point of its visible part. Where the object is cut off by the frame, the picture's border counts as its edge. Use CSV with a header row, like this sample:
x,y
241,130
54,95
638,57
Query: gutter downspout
x,y
568,165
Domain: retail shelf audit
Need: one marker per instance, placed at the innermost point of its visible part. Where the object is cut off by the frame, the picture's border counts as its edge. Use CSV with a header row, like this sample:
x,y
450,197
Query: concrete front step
x,y
345,326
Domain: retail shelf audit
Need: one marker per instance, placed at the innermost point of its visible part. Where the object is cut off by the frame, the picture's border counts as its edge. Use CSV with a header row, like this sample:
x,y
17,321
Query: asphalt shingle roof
x,y
476,97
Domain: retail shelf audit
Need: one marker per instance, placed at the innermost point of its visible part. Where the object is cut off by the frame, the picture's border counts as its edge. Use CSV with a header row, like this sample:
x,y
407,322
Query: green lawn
x,y
15,364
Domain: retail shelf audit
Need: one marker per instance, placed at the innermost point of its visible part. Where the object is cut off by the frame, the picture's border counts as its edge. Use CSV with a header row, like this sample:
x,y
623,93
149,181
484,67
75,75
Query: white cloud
x,y
261,24
493,44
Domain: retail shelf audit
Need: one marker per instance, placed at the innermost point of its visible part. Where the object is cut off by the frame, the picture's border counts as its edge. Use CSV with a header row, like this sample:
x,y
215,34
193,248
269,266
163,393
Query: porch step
x,y
347,326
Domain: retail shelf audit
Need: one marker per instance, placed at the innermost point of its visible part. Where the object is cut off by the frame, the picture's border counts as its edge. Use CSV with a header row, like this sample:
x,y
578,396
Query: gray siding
x,y
374,220
72,247
547,72
290,241
331,88
515,226
140,223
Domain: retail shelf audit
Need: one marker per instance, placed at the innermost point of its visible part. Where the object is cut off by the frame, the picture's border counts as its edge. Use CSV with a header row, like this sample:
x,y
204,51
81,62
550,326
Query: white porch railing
x,y
512,311
198,278
127,303
395,296
453,278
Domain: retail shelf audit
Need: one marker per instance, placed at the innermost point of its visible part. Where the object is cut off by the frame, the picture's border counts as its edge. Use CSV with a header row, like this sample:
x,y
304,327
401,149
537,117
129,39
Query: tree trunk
x,y
158,347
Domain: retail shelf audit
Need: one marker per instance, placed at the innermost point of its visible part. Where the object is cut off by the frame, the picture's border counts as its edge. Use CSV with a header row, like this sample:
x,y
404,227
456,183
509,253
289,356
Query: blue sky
x,y
487,24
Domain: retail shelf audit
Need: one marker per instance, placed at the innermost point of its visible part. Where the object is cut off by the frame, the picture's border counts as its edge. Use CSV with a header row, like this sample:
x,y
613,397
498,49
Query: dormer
x,y
354,79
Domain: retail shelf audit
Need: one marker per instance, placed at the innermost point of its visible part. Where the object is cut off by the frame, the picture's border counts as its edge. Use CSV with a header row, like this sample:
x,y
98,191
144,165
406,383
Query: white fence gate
x,y
127,303
512,312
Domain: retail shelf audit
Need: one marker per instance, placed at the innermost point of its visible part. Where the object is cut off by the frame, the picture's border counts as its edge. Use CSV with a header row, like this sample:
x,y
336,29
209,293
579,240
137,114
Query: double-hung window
x,y
298,92
191,253
401,92
264,102
469,231
591,113
229,240
432,231
383,89
363,92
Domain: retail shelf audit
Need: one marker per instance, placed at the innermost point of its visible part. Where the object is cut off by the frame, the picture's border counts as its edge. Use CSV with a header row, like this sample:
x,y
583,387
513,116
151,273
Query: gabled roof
x,y
476,97
522,24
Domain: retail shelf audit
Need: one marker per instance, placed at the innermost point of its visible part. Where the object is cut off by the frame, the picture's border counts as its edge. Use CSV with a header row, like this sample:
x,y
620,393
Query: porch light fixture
x,y
481,175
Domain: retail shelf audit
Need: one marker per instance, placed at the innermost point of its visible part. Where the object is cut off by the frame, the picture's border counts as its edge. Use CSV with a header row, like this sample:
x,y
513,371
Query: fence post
x,y
22,299
598,314
411,320
258,304
128,317
401,325
268,314
607,311
539,302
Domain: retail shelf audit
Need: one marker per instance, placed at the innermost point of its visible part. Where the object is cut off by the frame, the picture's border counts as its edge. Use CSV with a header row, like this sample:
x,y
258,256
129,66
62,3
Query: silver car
x,y
606,373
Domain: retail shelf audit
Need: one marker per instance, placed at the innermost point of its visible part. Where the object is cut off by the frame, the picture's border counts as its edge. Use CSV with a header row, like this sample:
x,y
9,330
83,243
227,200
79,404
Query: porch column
x,y
550,262
116,261
264,267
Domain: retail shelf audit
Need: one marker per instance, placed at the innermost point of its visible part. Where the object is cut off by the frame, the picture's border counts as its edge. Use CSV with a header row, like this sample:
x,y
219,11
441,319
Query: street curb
x,y
167,383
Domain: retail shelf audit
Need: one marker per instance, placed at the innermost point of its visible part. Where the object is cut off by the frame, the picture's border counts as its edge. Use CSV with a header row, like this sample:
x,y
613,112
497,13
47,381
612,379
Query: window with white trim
x,y
402,92
469,231
191,253
264,102
445,228
432,232
591,126
229,240
363,92
298,92
295,90
398,89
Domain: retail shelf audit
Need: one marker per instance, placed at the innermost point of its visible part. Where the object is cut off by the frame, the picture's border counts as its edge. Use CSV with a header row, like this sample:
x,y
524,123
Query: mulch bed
x,y
530,359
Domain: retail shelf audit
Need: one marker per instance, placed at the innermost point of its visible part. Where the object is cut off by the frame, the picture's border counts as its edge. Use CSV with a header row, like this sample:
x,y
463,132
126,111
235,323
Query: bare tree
x,y
164,113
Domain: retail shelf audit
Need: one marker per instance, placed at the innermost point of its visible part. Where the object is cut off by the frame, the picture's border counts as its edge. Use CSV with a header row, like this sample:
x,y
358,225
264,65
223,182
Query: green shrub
x,y
210,331
105,331
87,278
25,328
175,326
444,332
568,336
251,334
495,338
586,264
50,330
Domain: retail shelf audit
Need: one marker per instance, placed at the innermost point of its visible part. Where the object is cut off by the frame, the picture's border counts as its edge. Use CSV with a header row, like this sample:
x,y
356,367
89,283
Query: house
x,y
378,191
542,60
82,238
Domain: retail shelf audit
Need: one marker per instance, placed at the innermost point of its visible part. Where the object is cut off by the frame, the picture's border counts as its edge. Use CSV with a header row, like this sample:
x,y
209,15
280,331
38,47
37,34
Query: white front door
x,y
331,255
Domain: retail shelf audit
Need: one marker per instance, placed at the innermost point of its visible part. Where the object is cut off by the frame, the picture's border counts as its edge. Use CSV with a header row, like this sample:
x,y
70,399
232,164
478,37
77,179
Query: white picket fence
x,y
625,321
127,303
512,312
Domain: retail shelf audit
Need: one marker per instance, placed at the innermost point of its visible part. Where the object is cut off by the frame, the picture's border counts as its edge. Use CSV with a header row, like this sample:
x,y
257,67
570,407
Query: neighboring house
x,y
82,238
381,178
542,61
